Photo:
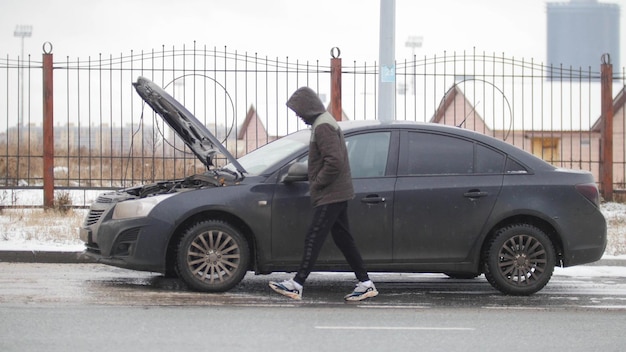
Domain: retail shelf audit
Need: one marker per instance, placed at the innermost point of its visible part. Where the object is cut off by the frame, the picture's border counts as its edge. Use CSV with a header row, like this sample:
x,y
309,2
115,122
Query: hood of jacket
x,y
306,104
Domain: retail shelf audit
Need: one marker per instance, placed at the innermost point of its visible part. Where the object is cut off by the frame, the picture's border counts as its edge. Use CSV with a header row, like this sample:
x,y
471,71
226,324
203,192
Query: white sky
x,y
302,30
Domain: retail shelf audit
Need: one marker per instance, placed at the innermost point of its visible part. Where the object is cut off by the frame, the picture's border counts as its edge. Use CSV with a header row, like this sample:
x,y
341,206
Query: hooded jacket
x,y
330,180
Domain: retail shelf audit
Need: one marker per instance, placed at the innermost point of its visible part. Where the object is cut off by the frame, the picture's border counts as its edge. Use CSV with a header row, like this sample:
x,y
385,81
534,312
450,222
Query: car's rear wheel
x,y
519,260
212,256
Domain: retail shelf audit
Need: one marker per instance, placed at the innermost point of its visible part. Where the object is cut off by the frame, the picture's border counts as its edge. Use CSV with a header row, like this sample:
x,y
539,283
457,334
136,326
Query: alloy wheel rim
x,y
213,256
522,260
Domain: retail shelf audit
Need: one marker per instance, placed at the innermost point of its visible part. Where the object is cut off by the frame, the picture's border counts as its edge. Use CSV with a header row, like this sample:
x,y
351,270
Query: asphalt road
x,y
92,307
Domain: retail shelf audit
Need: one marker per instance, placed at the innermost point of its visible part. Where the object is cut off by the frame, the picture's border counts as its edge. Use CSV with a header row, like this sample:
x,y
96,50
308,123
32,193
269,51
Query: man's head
x,y
306,104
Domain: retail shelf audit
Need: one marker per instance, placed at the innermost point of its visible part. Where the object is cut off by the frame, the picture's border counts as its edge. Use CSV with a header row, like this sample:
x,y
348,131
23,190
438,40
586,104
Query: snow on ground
x,y
37,230
593,270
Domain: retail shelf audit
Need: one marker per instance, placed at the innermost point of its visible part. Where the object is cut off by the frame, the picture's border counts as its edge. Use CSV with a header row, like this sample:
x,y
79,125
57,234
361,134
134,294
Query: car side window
x,y
488,161
513,167
368,153
434,154
437,154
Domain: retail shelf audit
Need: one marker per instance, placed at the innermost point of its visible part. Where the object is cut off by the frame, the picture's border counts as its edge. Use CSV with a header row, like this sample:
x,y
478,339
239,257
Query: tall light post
x,y
413,42
22,31
387,61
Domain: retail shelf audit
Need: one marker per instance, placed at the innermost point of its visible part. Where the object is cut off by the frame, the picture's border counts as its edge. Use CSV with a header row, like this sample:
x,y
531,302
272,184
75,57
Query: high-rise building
x,y
581,31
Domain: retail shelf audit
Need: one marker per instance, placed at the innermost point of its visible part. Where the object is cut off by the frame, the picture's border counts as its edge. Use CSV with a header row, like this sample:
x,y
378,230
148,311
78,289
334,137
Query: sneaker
x,y
362,291
288,288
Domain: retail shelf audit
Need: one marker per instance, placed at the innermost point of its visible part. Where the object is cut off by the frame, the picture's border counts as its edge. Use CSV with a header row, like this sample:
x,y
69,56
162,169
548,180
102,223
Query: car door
x,y
370,212
446,189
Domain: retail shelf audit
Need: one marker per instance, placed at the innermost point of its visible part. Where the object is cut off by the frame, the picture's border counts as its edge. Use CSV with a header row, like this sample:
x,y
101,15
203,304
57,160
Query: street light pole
x,y
387,64
22,31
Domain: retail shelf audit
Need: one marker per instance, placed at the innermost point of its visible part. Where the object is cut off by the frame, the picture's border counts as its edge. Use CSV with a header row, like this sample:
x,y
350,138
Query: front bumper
x,y
137,243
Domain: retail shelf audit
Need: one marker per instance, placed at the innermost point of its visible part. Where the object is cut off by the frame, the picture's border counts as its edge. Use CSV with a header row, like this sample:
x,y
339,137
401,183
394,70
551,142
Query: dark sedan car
x,y
429,198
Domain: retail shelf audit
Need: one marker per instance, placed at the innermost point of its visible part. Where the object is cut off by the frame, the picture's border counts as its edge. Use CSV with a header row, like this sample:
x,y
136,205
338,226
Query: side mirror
x,y
297,172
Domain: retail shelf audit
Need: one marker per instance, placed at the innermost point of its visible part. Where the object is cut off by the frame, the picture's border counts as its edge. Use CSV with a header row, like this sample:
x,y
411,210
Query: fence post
x,y
48,128
335,84
606,165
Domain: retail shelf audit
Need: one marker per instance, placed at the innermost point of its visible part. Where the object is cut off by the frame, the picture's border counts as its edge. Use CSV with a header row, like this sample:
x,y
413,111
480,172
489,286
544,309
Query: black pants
x,y
331,218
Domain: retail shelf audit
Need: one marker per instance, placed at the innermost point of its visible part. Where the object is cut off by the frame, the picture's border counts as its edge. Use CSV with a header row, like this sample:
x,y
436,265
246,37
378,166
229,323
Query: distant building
x,y
580,32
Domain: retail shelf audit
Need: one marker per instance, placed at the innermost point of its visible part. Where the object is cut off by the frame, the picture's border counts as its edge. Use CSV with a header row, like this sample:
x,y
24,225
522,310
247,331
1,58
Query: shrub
x,y
62,202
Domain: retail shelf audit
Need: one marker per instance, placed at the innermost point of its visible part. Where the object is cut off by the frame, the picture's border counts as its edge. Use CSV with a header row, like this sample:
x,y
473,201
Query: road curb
x,y
44,257
609,262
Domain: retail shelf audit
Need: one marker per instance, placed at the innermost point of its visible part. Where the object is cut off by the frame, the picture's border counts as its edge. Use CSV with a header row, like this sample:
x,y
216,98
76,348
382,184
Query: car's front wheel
x,y
212,256
519,260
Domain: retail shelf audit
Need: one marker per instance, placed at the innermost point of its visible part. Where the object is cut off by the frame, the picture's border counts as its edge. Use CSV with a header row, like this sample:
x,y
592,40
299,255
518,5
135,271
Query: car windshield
x,y
265,157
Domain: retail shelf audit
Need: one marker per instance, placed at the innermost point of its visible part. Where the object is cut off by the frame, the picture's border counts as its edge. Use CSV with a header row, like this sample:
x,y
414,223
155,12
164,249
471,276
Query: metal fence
x,y
105,137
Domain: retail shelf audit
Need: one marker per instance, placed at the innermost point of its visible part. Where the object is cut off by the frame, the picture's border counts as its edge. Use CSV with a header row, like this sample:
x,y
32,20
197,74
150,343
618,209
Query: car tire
x,y
212,256
519,260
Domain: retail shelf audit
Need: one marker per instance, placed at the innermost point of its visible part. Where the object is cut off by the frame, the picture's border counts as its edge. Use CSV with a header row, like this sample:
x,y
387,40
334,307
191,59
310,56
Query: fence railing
x,y
104,136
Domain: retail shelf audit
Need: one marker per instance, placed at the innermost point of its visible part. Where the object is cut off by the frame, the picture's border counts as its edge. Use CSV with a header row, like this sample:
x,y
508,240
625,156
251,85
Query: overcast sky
x,y
304,30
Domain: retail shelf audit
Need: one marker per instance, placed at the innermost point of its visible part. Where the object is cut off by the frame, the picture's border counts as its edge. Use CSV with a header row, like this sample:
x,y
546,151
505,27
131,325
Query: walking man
x,y
330,185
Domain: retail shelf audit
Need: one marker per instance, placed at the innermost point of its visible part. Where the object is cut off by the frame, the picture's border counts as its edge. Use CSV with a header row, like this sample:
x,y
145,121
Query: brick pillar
x,y
335,84
606,165
48,128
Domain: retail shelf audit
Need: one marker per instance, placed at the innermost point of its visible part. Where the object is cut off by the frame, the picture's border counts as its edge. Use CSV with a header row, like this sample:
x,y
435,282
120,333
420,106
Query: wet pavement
x,y
96,284
87,307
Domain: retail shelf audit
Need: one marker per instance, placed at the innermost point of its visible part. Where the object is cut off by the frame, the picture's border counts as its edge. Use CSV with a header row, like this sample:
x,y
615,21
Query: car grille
x,y
93,217
102,199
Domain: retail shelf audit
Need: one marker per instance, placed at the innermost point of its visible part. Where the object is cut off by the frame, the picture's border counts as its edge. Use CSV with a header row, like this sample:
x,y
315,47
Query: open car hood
x,y
195,135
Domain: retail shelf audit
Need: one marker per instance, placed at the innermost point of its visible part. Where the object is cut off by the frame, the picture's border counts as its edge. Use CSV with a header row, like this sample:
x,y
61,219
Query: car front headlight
x,y
137,208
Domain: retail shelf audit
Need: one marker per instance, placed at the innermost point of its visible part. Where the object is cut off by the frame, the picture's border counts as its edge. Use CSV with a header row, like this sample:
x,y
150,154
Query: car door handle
x,y
475,194
373,200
